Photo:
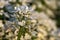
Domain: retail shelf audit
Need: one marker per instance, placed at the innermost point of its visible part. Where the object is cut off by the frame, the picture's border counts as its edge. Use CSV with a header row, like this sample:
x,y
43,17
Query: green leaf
x,y
1,17
38,9
33,38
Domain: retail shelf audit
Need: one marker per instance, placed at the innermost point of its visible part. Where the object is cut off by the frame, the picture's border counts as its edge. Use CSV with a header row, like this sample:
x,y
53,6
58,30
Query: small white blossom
x,y
24,9
27,36
1,24
34,33
26,15
33,21
22,23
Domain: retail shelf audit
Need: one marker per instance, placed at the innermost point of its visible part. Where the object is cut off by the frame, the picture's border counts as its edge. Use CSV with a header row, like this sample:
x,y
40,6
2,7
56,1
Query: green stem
x,y
19,33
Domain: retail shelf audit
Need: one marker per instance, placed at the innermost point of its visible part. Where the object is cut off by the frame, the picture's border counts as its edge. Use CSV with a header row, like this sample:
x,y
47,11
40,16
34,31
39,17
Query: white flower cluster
x,y
22,22
37,25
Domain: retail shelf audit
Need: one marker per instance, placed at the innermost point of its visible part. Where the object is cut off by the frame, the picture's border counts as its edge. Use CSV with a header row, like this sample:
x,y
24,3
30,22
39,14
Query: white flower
x,y
22,38
1,24
31,9
33,21
34,33
24,8
27,36
17,8
26,15
22,23
16,31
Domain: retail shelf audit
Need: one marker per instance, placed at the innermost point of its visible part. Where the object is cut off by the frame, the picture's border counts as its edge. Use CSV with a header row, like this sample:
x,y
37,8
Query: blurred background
x,y
46,11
